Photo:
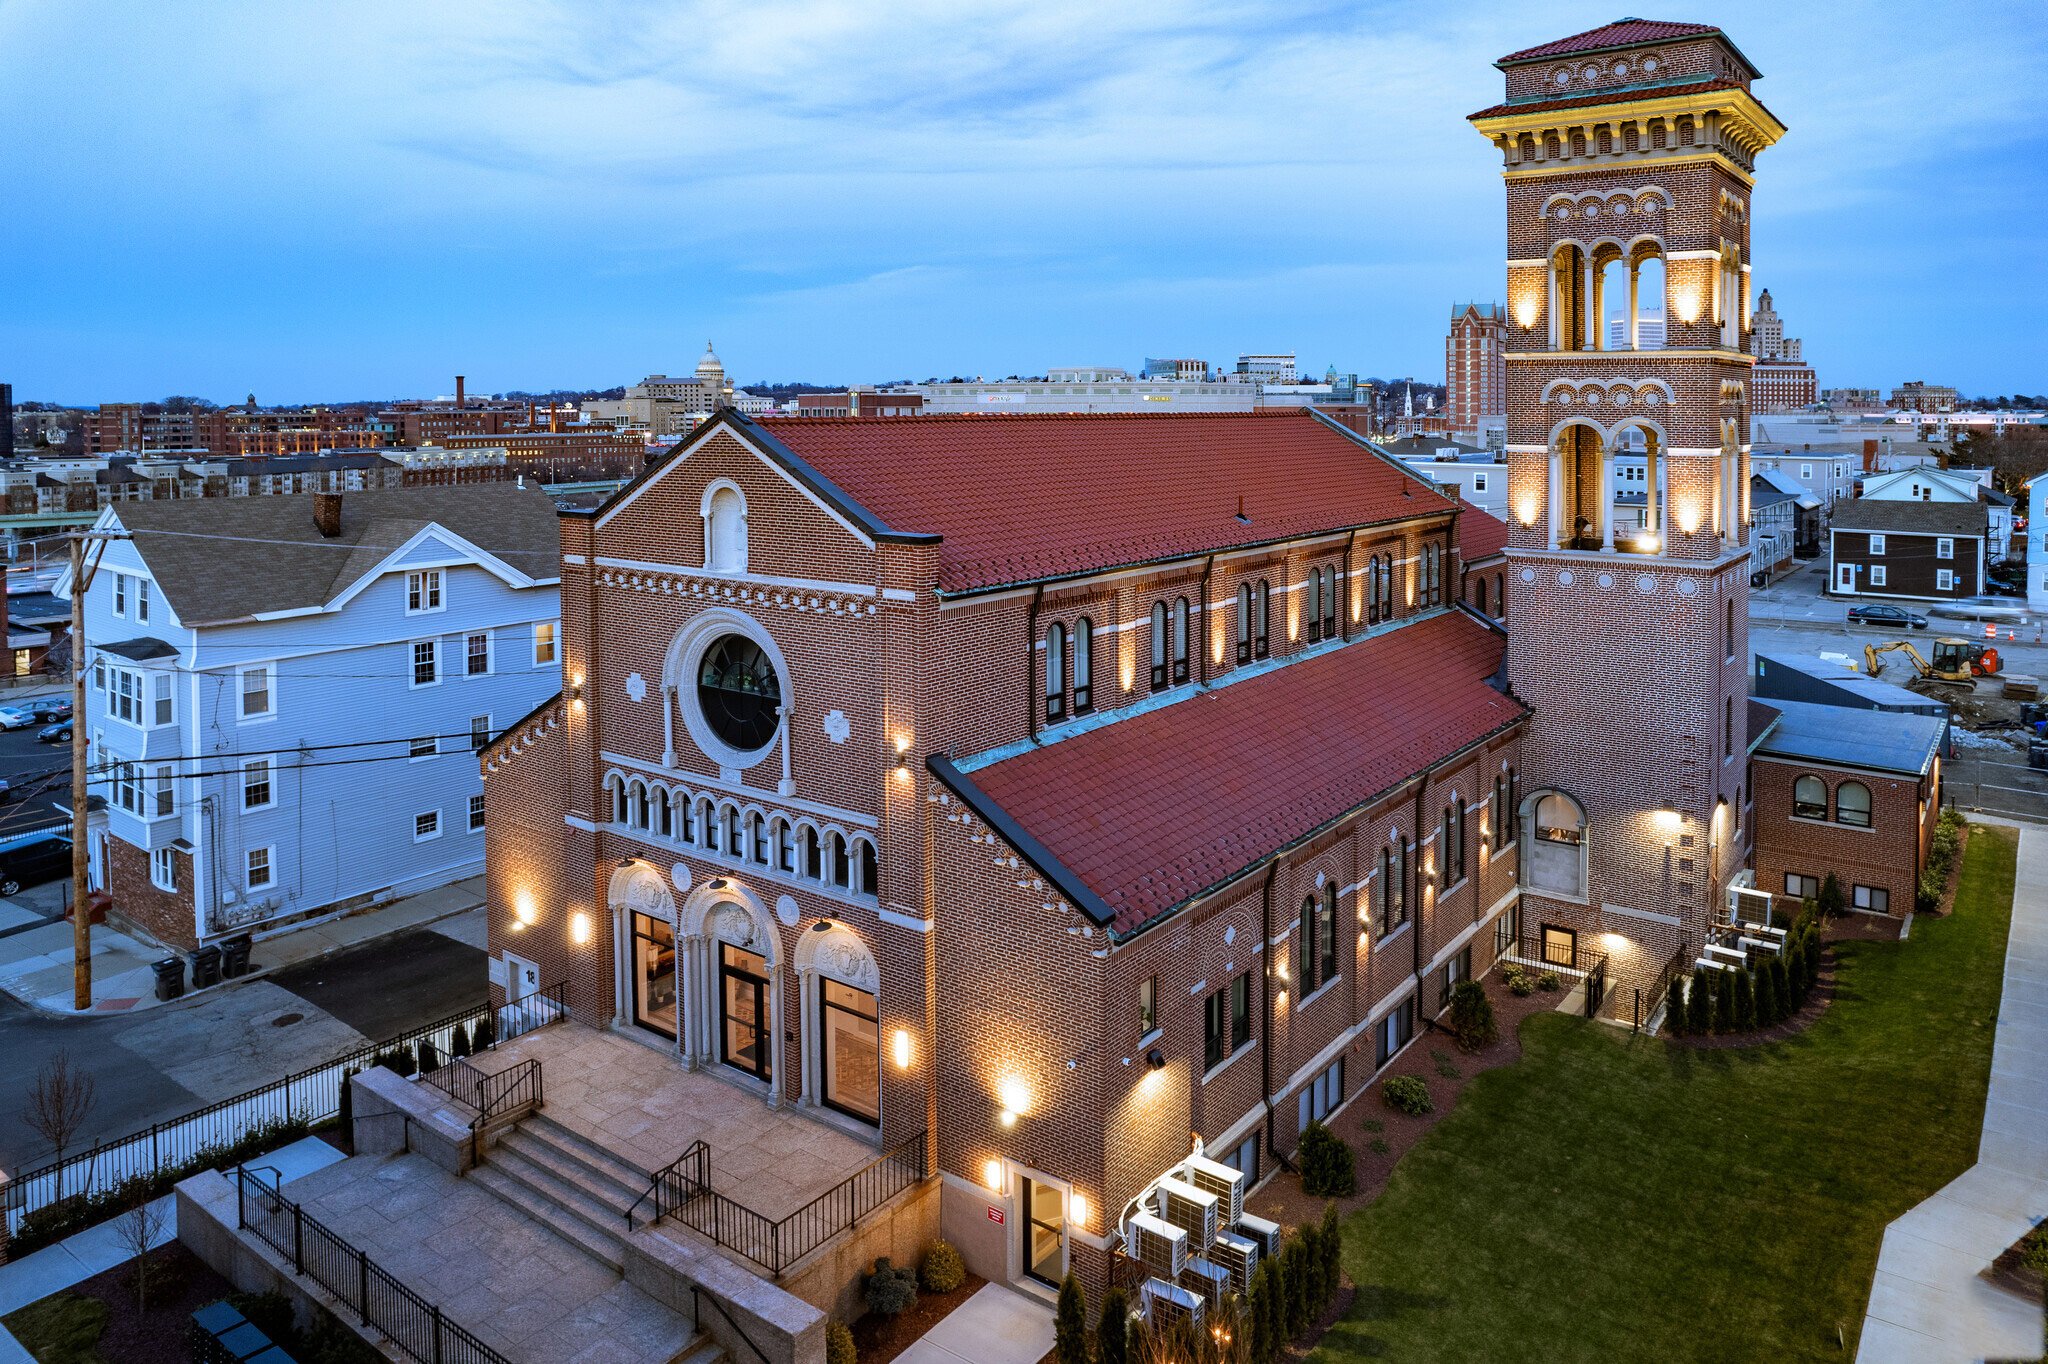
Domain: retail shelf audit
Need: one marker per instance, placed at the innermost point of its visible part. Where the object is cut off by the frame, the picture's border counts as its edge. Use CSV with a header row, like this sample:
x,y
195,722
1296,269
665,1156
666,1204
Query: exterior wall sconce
x,y
1686,303
1016,1099
1156,1059
1077,1208
1525,311
992,1176
523,912
902,758
901,1044
581,930
1009,1117
576,690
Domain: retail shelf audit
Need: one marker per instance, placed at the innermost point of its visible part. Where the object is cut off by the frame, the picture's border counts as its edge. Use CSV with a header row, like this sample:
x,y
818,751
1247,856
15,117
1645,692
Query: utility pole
x,y
81,890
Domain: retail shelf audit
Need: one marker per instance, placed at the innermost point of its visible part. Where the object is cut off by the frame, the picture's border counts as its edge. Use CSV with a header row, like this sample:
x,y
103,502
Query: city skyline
x,y
551,195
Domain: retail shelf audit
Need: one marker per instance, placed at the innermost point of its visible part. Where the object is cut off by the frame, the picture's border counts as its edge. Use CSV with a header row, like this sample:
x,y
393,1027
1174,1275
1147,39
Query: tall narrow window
x,y
1305,956
1313,610
725,531
870,871
1393,886
1159,671
1326,933
1331,587
1261,601
1244,623
1056,672
1180,640
1084,666
1728,631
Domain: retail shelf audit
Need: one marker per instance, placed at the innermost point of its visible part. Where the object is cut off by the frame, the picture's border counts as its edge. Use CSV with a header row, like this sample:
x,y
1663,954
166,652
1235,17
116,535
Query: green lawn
x,y
1614,1198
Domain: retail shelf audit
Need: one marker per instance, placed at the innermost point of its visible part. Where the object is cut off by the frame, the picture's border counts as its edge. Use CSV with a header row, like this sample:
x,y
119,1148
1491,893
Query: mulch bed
x,y
1340,1303
180,1283
1368,1119
1817,1001
880,1339
2011,1273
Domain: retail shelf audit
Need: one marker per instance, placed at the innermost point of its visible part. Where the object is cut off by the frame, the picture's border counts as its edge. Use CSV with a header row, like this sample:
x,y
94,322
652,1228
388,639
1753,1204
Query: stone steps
x,y
553,1209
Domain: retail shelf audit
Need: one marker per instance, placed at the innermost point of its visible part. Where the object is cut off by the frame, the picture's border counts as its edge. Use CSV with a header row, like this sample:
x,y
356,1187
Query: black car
x,y
33,860
1879,614
48,708
1995,587
59,733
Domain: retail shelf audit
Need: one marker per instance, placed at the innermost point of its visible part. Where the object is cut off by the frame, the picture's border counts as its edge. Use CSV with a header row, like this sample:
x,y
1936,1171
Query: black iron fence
x,y
377,1300
683,1191
493,1095
106,1177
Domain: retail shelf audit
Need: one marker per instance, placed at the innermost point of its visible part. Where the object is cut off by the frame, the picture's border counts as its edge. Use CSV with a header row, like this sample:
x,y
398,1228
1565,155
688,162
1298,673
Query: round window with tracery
x,y
739,693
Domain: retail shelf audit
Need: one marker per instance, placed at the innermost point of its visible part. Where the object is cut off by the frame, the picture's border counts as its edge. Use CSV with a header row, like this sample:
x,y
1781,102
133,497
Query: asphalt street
x,y
38,776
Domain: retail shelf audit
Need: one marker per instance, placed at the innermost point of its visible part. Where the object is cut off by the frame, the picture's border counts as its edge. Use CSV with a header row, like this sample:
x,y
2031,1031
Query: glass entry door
x,y
745,1040
853,1050
1045,1232
654,975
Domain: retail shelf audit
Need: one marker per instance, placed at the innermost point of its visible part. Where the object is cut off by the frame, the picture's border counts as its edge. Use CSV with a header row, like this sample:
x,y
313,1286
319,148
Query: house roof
x,y
1781,486
140,649
1878,740
1761,718
232,558
1149,810
1621,33
1481,535
1912,518
1026,498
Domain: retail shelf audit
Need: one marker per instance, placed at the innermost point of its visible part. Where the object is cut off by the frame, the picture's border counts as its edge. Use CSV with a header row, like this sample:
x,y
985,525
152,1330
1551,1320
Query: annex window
x,y
1944,547
1244,623
1180,640
1322,1096
1877,544
1148,1006
258,785
1479,596
426,662
1875,899
1160,669
1313,608
476,813
259,869
1852,804
1557,857
426,825
1802,887
543,643
423,591
1810,798
1084,666
1261,598
1056,673
476,655
1394,1031
258,695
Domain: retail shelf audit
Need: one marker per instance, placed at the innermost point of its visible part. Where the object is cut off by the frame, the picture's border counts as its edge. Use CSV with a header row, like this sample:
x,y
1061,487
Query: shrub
x,y
941,1270
1331,1243
1781,988
485,1033
400,1060
1113,1331
1406,1094
1378,1146
1832,901
1070,1323
458,1043
270,1313
1265,1329
839,1346
1472,1021
1519,982
1724,1001
1373,1125
1300,1283
1445,1066
1765,1002
1745,1002
1549,982
1326,1169
1283,1270
430,1060
1674,1008
889,1290
1699,1003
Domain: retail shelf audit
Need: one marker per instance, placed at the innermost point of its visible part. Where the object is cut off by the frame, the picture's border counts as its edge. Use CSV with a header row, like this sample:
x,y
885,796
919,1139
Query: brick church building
x,y
1062,786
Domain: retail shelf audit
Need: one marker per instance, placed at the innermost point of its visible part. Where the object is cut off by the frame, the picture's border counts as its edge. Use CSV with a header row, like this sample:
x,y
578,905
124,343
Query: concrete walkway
x,y
98,1249
998,1325
36,959
1927,1305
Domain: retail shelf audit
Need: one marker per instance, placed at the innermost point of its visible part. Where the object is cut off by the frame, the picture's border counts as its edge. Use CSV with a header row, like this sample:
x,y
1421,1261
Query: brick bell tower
x,y
1629,154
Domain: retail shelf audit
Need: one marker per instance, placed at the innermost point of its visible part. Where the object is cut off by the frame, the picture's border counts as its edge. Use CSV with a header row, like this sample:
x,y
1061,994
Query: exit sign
x,y
995,1215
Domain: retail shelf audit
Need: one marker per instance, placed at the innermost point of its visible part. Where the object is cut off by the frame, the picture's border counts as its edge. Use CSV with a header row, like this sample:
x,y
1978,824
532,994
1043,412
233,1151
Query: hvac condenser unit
x,y
1260,1230
1216,1178
1159,1246
1165,1303
1239,1255
1188,1208
1209,1280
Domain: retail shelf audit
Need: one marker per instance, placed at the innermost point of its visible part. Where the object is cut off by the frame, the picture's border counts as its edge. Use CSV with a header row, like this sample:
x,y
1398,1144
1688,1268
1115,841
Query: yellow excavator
x,y
1957,661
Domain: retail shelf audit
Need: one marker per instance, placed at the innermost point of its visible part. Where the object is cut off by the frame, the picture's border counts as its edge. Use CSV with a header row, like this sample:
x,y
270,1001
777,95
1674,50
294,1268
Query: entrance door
x,y
522,978
1045,1232
853,1050
745,1040
654,975
1845,577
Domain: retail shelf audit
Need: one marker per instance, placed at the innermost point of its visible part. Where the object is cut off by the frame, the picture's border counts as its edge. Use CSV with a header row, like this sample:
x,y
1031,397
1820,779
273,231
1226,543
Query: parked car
x,y
1982,608
49,708
1897,617
17,717
33,860
59,733
1994,587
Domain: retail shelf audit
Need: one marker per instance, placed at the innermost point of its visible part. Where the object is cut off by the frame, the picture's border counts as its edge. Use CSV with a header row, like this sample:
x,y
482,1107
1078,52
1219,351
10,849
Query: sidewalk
x,y
98,1249
998,1325
36,960
1926,1302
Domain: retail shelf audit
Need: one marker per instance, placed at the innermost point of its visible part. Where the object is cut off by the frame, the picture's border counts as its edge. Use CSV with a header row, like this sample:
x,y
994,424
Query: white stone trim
x,y
1650,915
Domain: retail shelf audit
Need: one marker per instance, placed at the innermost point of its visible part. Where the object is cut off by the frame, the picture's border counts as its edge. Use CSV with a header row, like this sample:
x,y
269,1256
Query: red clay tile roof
x,y
1151,810
1018,499
1620,33
1481,535
1698,87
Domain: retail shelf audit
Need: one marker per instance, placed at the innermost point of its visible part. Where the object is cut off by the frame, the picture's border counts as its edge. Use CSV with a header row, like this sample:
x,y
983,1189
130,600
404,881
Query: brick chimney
x,y
554,420
327,513
1869,456
458,390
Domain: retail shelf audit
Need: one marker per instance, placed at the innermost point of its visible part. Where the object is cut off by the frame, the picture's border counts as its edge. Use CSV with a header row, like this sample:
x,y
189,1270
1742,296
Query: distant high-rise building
x,y
1649,332
1919,396
6,421
1782,381
1475,368
1180,370
1268,369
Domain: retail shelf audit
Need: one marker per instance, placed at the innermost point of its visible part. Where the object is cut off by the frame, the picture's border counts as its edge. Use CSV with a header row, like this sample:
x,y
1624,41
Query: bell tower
x,y
1629,154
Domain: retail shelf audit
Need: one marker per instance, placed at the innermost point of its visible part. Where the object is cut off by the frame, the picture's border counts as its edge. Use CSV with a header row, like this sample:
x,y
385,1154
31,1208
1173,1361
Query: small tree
x,y
1699,1003
1113,1332
1283,1270
1265,1328
1745,1003
1674,1008
139,1229
1832,901
1724,1001
839,1346
430,1061
942,1270
1331,1243
1760,990
485,1034
1326,1165
1781,989
1070,1323
58,1103
1300,1283
458,1042
1472,1023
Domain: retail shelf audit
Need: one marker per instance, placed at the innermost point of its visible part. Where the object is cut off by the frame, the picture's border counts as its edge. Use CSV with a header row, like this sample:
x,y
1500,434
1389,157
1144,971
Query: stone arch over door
x,y
830,955
722,911
637,888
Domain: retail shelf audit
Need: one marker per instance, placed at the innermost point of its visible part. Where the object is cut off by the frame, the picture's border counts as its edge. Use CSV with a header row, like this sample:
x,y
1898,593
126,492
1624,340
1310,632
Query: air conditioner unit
x,y
1166,1303
1210,1281
1188,1208
1258,1229
1214,1177
1159,1246
1239,1255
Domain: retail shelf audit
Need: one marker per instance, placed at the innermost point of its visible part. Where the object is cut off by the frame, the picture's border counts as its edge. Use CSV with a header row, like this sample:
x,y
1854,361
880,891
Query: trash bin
x,y
2037,753
205,967
234,957
170,977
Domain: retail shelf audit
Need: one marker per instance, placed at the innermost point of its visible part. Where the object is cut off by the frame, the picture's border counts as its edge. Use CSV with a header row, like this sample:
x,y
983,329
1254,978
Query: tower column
x,y
1634,284
1556,508
1606,495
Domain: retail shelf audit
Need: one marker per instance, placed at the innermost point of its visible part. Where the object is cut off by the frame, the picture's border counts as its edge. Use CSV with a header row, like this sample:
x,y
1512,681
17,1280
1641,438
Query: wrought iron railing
x,y
376,1299
112,1173
494,1095
683,1191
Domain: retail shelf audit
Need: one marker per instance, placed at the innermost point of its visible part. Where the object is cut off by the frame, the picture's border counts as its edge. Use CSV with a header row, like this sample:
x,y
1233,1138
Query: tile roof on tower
x,y
1620,33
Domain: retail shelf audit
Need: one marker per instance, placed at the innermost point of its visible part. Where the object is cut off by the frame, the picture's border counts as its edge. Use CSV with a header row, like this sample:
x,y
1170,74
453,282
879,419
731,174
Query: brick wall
x,y
1887,855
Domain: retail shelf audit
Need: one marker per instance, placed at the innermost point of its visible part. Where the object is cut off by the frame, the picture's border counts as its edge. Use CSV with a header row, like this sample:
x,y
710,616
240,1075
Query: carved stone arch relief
x,y
840,954
638,887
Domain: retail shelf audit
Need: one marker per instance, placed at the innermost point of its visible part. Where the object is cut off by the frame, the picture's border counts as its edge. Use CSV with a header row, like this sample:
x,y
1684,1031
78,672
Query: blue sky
x,y
327,201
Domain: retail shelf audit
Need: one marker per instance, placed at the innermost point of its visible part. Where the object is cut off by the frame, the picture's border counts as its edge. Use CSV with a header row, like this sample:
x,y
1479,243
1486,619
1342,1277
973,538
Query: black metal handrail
x,y
209,1136
697,1300
675,1183
379,1301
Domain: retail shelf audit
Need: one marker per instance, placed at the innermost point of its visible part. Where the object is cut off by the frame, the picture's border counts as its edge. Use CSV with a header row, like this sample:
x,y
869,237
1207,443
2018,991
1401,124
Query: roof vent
x,y
327,513
1241,517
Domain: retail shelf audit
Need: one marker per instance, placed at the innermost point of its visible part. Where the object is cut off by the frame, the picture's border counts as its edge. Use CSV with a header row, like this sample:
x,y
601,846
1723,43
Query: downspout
x,y
1031,664
1344,602
1266,1010
1202,644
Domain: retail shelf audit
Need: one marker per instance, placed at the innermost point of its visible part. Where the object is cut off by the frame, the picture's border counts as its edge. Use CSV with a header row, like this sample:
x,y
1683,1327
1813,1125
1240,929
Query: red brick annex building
x,y
1062,786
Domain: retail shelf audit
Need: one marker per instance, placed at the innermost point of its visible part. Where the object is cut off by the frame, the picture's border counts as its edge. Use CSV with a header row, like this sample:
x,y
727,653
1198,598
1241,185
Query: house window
x,y
1876,899
1317,952
258,788
1802,887
99,674
1877,544
1329,603
259,699
476,655
1944,580
1241,1012
1727,727
426,662
142,600
1393,886
1810,798
124,700
1479,483
1505,927
1504,810
259,871
162,707
1148,1006
1055,673
1557,859
422,747
1244,623
165,794
1322,1096
426,825
476,813
479,732
1084,666
543,644
1394,1032
163,869
423,591
1728,632
1944,547
1852,804
1877,575
1261,600
725,531
120,594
